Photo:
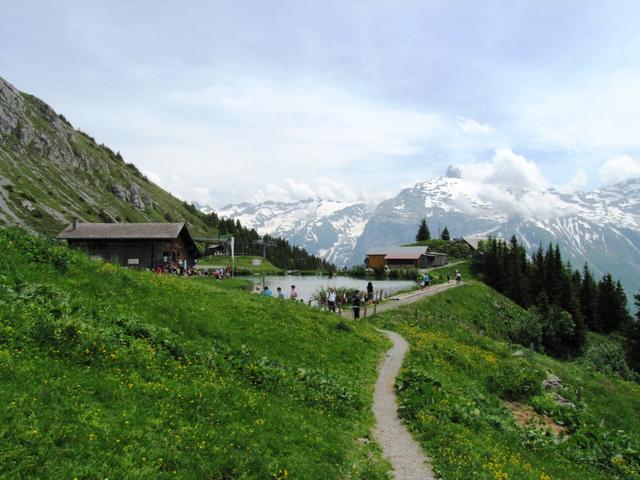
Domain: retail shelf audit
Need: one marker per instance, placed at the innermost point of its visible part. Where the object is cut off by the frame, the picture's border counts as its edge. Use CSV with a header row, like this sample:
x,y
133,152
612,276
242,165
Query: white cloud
x,y
471,126
154,177
599,112
513,185
506,169
324,188
618,169
578,182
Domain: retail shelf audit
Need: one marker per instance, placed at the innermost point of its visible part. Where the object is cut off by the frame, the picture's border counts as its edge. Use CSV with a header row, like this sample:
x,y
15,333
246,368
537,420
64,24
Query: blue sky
x,y
248,100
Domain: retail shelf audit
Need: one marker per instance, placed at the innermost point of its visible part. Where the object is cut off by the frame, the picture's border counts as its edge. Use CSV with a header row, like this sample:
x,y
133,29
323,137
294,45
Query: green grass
x,y
459,373
108,372
243,264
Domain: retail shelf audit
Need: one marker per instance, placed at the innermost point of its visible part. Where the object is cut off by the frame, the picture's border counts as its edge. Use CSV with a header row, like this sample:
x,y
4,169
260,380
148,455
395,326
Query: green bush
x,y
515,379
607,355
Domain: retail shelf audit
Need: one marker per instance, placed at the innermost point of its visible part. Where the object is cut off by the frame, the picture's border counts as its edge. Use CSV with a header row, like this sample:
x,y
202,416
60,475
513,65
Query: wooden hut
x,y
139,245
405,257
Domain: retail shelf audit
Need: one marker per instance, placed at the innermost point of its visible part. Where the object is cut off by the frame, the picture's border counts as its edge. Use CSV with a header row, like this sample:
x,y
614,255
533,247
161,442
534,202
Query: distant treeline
x,y
565,303
281,254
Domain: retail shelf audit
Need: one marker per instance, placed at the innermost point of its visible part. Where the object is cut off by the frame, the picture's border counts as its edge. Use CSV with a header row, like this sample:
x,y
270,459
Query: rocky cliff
x,y
51,172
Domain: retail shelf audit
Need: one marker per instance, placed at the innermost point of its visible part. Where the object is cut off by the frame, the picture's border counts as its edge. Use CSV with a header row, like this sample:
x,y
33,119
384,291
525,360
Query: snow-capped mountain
x,y
600,227
325,228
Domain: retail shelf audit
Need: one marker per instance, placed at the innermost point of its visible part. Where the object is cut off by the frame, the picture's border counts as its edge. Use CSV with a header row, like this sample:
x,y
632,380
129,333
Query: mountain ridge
x,y
601,227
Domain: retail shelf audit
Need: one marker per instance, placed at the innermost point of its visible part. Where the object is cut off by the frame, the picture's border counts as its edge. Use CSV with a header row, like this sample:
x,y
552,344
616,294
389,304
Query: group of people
x,y
332,297
266,292
425,279
356,301
182,268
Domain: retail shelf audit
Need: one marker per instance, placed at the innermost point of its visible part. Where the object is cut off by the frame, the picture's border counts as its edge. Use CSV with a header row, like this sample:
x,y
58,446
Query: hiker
x,y
369,292
266,292
293,295
279,293
356,304
331,299
426,280
458,277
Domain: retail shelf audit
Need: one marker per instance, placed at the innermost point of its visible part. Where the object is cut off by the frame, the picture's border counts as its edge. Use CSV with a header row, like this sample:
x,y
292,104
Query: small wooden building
x,y
375,257
139,245
405,257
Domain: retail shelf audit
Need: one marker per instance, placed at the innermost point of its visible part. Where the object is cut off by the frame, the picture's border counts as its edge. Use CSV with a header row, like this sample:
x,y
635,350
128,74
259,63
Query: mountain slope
x,y
600,227
50,172
326,228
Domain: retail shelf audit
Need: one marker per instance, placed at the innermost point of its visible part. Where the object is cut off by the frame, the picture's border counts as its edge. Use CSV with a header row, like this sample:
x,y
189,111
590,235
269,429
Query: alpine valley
x,y
601,227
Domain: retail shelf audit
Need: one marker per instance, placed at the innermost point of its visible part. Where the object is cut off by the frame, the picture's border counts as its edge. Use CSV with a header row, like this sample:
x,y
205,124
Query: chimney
x,y
74,223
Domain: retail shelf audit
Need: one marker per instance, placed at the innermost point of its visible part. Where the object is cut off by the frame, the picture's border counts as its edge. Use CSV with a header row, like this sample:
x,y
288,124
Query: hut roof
x,y
474,241
415,252
103,231
404,255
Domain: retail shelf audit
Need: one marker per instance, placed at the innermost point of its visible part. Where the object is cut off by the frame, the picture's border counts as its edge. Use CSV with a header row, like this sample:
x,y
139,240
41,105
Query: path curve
x,y
407,457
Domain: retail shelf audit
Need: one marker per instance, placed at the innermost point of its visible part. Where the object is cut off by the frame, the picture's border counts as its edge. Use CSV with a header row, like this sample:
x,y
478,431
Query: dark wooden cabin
x,y
139,245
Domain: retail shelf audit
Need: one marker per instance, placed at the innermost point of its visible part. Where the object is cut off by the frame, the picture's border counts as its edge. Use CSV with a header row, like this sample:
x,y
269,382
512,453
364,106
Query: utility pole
x,y
265,244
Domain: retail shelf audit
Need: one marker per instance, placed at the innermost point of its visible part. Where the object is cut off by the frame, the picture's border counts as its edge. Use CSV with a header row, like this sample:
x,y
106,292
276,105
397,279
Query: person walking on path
x,y
426,279
369,292
293,295
356,305
331,299
458,277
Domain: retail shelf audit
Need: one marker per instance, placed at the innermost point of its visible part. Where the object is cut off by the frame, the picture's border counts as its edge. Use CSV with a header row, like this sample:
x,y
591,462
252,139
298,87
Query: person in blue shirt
x,y
266,292
279,293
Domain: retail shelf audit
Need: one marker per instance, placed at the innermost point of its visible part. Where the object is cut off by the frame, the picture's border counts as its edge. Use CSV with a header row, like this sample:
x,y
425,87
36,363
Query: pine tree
x,y
516,272
445,234
588,298
633,338
423,232
611,309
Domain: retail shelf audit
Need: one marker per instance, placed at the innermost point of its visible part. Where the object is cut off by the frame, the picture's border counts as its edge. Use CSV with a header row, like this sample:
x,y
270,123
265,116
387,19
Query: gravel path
x,y
407,458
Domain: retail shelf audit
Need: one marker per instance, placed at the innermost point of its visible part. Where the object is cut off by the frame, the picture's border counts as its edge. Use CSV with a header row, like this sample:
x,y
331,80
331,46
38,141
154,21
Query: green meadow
x,y
109,372
463,388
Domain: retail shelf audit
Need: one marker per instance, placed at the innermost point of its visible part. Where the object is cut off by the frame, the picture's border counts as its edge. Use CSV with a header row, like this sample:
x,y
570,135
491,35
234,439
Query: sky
x,y
223,102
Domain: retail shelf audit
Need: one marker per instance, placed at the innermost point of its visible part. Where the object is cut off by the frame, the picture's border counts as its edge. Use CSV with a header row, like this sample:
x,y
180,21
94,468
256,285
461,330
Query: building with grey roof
x,y
138,245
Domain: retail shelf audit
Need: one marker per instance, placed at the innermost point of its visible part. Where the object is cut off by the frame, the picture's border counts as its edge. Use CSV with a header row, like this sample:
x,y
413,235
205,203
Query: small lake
x,y
308,286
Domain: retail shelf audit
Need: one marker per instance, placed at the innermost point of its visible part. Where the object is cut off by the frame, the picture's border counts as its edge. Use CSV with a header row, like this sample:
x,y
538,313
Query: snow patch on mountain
x,y
326,228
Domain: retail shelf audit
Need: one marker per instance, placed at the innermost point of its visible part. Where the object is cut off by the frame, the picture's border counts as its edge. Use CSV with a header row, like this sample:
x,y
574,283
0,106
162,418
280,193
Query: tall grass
x,y
108,372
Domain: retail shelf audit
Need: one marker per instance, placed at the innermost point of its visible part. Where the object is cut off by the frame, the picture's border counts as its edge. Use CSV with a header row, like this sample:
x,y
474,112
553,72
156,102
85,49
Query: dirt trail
x,y
407,458
399,300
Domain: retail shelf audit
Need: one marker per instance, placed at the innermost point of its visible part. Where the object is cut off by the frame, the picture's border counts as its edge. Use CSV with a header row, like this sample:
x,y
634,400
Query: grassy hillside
x,y
480,411
243,264
52,172
108,372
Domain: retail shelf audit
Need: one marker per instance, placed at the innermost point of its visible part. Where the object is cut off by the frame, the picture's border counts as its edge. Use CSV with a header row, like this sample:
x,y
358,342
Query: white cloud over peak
x,y
508,170
578,182
471,126
618,169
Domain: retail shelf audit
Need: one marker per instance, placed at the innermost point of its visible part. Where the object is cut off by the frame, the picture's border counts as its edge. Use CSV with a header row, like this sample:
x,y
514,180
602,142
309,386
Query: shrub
x,y
515,380
608,356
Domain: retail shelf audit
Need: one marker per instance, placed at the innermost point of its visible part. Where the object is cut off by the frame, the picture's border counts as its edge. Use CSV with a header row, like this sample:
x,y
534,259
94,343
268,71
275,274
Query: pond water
x,y
308,286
